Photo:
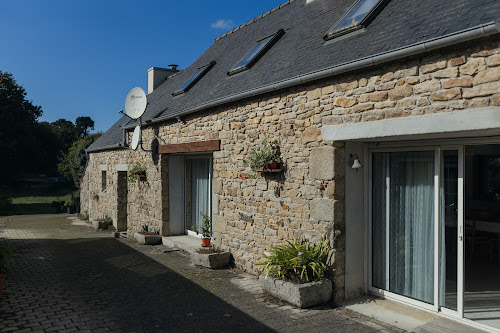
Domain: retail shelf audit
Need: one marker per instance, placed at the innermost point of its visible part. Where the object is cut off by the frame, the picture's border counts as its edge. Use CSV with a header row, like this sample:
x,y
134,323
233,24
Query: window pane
x,y
357,14
252,53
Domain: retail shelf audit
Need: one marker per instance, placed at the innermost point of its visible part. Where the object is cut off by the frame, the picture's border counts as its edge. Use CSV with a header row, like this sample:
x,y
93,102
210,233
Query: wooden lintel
x,y
190,147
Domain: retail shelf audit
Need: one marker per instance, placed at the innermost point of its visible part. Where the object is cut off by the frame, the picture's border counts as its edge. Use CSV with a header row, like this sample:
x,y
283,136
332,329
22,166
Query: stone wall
x,y
255,211
144,197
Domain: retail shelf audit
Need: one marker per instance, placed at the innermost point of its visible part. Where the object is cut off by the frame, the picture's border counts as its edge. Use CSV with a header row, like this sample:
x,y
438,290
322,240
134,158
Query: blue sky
x,y
81,58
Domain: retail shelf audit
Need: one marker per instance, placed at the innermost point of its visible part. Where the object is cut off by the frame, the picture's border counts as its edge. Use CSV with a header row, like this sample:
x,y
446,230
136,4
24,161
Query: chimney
x,y
157,75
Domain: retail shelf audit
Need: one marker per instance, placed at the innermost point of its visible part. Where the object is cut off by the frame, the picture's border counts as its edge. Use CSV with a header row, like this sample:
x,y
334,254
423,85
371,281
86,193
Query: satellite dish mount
x,y
135,105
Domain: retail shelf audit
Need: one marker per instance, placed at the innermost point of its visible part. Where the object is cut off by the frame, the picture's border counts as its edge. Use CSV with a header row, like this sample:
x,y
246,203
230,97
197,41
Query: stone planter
x,y
148,238
101,224
300,295
211,260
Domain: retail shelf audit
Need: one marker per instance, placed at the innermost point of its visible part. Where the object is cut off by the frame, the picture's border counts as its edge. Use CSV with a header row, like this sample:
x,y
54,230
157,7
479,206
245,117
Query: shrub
x,y
298,261
5,258
5,200
84,216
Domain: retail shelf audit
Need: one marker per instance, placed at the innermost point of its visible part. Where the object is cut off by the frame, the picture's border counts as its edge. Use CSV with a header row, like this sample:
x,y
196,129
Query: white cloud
x,y
222,24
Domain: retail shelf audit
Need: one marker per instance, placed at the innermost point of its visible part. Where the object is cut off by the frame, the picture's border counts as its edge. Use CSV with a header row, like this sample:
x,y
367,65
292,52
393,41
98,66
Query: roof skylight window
x,y
358,17
258,51
193,79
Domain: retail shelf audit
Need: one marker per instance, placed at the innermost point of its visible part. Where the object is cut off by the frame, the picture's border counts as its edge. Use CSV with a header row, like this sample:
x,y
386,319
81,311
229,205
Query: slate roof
x,y
302,50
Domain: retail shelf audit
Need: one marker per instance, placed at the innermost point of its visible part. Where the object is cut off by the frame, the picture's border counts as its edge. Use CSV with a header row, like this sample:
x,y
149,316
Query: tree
x,y
83,124
72,164
66,131
18,118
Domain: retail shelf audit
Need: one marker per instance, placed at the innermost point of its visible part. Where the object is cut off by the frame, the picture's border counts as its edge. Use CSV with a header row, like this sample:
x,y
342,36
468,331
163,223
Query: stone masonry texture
x,y
67,277
253,211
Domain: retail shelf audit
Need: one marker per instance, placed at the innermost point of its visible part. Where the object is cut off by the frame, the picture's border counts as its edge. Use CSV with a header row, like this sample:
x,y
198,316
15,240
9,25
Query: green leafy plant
x,y
136,172
146,227
69,203
6,254
262,158
206,228
107,228
298,261
84,216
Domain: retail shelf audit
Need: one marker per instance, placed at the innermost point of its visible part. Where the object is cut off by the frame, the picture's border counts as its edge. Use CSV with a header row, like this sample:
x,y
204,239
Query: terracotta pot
x,y
205,242
2,281
272,165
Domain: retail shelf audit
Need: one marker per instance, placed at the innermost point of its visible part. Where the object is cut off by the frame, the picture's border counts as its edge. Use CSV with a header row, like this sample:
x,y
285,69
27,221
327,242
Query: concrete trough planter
x,y
300,295
147,238
211,260
101,224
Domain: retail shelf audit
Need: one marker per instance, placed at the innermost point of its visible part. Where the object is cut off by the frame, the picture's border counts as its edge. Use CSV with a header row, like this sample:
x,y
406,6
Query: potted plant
x,y
295,272
137,172
5,262
205,229
267,159
147,235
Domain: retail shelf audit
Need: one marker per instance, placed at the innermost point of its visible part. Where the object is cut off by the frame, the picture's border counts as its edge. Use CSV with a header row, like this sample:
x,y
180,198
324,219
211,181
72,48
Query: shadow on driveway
x,y
102,284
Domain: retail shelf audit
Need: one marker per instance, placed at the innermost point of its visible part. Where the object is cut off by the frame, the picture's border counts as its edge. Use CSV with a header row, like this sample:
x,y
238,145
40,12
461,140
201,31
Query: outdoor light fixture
x,y
356,164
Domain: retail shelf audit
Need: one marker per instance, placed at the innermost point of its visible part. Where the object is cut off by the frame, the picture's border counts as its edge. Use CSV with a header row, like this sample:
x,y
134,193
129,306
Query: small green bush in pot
x,y
298,261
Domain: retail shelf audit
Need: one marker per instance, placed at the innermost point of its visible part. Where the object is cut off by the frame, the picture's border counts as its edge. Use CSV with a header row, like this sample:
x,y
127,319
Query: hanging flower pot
x,y
266,159
272,165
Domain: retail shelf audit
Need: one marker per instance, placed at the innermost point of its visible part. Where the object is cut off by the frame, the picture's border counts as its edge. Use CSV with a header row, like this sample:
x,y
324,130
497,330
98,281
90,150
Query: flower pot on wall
x,y
272,165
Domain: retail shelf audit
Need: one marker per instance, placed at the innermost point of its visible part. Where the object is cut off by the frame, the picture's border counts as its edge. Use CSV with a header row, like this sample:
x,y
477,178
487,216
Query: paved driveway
x,y
70,278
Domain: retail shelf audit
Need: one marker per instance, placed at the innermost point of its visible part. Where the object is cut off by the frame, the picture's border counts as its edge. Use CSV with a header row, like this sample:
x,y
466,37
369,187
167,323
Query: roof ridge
x,y
254,19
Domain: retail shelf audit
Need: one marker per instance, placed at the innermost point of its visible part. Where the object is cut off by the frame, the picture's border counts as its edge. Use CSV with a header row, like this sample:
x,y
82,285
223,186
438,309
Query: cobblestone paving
x,y
69,278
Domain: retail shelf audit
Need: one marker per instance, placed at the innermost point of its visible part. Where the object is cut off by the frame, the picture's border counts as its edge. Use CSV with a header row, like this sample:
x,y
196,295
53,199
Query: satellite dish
x,y
136,137
135,103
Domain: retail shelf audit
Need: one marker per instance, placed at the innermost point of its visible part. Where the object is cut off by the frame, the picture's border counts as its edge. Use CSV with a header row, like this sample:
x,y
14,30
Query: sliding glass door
x,y
198,191
435,229
415,225
403,223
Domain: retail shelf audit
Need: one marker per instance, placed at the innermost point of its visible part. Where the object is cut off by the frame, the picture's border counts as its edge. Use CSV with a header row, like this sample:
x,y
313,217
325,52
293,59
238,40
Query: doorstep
x,y
187,243
405,317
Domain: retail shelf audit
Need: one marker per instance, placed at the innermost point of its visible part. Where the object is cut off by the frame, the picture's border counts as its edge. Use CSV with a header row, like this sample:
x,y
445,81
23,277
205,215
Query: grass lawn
x,y
34,195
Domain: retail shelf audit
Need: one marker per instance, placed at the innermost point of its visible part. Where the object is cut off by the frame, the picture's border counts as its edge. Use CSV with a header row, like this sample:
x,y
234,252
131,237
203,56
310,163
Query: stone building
x,y
409,89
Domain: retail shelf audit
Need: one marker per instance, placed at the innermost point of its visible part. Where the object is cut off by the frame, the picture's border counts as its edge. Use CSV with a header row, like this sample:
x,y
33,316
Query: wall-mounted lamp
x,y
356,164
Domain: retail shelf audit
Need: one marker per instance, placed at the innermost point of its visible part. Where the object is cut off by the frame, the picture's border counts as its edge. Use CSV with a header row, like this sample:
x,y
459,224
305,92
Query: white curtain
x,y
403,197
200,189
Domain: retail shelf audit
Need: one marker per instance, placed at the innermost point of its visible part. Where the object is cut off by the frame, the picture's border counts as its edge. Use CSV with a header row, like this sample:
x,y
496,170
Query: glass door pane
x,y
448,224
198,191
403,223
482,234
